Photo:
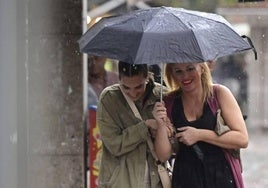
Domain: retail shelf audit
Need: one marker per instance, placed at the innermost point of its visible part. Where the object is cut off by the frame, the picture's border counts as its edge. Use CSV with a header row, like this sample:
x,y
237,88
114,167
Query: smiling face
x,y
187,75
134,87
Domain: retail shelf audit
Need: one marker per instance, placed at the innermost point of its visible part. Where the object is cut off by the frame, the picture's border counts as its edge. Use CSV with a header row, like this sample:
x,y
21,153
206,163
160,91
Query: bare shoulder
x,y
225,96
223,90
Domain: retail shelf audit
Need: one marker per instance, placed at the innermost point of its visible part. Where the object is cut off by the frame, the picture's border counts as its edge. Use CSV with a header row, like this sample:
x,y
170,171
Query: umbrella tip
x,y
252,46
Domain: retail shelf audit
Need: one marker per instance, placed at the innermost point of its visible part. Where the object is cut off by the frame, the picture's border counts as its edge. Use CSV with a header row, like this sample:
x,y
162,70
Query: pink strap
x,y
169,101
213,101
236,169
234,162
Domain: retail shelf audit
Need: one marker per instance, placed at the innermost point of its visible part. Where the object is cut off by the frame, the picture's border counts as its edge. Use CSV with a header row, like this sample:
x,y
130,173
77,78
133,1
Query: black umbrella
x,y
163,35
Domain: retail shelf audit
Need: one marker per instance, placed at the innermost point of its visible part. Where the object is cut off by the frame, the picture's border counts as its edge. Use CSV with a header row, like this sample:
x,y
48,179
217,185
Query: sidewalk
x,y
255,160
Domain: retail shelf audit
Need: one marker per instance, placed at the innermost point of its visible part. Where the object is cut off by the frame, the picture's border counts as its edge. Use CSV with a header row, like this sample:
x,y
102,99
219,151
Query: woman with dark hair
x,y
202,160
126,159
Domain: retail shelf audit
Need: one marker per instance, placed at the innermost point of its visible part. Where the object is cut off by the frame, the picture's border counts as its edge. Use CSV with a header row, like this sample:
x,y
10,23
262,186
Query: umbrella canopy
x,y
163,35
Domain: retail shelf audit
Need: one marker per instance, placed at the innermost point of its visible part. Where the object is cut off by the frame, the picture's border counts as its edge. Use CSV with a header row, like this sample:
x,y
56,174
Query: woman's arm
x,y
162,144
237,137
121,132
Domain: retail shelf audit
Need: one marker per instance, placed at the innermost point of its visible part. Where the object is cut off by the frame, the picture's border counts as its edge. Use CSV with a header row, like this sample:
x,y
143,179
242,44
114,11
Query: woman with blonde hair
x,y
200,160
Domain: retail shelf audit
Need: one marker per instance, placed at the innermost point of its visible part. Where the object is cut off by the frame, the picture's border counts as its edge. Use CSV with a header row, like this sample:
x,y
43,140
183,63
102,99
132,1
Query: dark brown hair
x,y
129,70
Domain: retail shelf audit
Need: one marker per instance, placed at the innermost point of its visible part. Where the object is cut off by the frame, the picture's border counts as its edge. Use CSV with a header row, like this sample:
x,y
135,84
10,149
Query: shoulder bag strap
x,y
235,162
163,173
213,101
137,114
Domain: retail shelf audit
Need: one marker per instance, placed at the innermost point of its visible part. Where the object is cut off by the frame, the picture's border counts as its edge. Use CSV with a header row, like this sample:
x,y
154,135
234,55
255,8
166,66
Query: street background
x,y
255,160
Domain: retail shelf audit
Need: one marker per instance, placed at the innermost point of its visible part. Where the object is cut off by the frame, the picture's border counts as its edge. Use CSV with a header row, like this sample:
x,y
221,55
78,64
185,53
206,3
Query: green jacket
x,y
124,141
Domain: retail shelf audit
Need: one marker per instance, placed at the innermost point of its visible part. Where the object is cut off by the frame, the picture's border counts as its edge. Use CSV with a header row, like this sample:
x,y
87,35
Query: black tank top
x,y
206,121
191,171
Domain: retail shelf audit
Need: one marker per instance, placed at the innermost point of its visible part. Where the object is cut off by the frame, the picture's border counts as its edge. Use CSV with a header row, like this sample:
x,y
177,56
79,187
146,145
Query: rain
x,y
44,78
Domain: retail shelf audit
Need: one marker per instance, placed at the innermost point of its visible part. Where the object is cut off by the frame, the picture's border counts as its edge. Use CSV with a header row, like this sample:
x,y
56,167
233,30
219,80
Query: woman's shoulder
x,y
221,89
223,95
111,91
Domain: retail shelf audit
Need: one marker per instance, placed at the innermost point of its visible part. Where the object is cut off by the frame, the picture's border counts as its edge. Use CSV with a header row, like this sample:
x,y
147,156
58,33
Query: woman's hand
x,y
188,135
153,125
160,112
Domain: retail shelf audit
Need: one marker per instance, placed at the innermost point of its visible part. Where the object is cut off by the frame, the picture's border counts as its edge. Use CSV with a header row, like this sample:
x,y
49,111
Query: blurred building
x,y
231,71
252,19
41,114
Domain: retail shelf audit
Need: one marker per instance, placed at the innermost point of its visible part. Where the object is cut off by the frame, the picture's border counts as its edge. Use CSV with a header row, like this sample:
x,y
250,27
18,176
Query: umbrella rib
x,y
144,31
214,20
209,18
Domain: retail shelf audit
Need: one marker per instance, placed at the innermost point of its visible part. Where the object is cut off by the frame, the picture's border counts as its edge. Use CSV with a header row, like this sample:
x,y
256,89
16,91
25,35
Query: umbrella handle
x,y
251,44
161,81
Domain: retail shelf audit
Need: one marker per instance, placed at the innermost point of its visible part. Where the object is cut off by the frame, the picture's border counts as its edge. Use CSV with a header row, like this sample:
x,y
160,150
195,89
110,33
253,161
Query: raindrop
x,y
70,90
77,52
13,138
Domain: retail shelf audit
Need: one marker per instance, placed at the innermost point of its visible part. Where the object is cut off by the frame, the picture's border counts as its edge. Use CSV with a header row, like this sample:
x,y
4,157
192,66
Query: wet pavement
x,y
255,159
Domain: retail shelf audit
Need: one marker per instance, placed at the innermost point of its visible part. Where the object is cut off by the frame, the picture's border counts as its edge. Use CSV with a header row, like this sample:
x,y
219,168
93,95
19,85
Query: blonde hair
x,y
206,80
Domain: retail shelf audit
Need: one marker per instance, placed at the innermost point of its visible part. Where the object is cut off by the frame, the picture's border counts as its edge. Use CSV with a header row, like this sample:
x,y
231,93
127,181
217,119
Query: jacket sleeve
x,y
120,130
